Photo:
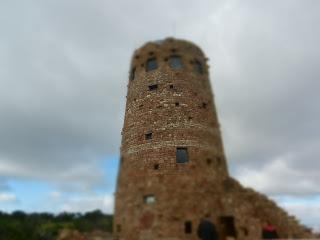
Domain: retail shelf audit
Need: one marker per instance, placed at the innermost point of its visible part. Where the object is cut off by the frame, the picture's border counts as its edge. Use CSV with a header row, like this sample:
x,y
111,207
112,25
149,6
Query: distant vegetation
x,y
45,226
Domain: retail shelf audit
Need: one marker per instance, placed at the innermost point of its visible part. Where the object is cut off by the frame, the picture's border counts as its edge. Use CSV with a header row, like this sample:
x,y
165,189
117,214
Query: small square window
x,y
177,104
151,64
153,87
182,155
149,199
156,166
209,161
175,62
171,86
148,136
118,228
204,105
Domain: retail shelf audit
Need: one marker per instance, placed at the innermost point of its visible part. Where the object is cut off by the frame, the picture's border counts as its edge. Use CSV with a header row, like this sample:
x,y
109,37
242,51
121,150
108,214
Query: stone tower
x,y
173,168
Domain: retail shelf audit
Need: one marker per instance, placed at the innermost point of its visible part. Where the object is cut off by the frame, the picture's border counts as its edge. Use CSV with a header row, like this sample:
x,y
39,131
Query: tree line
x,y
19,225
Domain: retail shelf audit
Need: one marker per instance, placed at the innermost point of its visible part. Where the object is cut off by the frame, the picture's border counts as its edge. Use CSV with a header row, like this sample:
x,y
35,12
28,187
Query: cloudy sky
x,y
63,76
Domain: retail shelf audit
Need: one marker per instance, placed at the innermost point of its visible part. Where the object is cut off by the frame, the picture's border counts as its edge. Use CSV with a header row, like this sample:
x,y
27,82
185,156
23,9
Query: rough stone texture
x,y
181,113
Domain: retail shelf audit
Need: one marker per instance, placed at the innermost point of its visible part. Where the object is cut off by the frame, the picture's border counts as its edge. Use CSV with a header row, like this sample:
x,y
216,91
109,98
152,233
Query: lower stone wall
x,y
251,209
237,212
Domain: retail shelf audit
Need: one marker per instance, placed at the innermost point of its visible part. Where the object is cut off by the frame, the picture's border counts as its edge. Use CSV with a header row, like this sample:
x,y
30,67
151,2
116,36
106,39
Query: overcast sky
x,y
63,76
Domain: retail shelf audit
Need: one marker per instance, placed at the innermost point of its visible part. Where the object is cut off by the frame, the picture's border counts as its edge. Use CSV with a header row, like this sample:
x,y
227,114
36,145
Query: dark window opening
x,y
153,87
149,199
151,53
132,74
151,64
177,104
156,166
204,105
173,50
198,67
209,161
219,160
148,136
137,57
188,227
175,62
118,228
228,227
182,155
171,86
244,231
190,118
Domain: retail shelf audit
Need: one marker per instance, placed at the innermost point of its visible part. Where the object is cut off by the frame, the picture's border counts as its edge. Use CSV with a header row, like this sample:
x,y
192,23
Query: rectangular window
x,y
188,227
228,225
151,64
175,62
149,199
118,228
219,160
132,73
244,231
182,155
198,67
148,136
153,87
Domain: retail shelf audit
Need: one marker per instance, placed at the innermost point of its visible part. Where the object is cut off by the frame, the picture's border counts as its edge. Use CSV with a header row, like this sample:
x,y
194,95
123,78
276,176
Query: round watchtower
x,y
172,159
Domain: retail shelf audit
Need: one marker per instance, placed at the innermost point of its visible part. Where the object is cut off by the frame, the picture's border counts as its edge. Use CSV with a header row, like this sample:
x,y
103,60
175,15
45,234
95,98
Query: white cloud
x,y
278,177
88,203
306,211
7,197
55,195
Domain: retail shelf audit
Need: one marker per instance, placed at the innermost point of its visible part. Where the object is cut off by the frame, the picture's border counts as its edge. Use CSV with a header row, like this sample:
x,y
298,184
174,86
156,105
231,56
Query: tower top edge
x,y
169,43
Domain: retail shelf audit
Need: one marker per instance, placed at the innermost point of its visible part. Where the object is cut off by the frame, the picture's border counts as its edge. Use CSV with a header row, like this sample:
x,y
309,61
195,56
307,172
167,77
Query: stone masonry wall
x,y
170,108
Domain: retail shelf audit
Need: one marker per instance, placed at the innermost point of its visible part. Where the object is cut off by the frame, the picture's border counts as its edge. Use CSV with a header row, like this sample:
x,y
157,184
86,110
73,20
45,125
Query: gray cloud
x,y
267,89
63,79
60,101
308,211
